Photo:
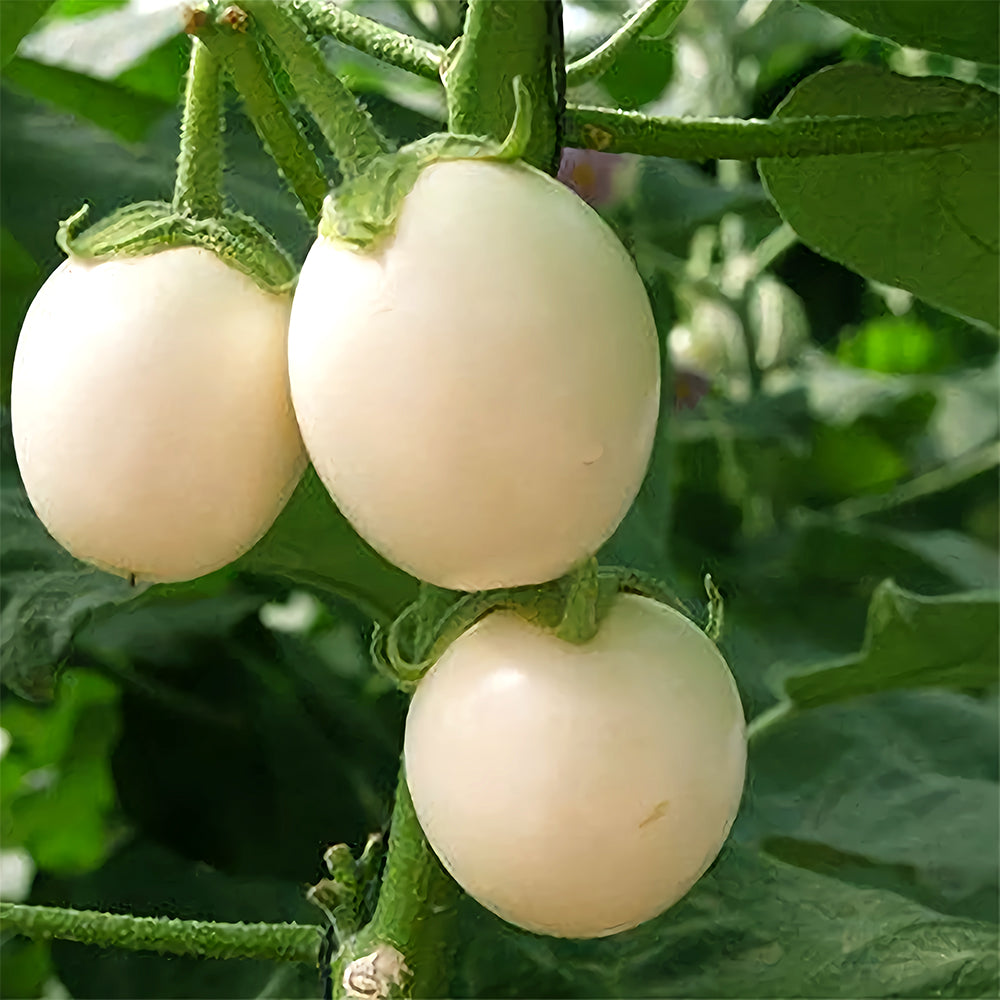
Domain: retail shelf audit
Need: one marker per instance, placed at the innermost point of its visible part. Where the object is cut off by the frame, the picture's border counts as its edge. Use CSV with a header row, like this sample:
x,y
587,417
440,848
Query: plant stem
x,y
346,126
751,139
416,908
770,718
771,247
362,33
198,185
504,39
281,134
203,939
602,58
960,470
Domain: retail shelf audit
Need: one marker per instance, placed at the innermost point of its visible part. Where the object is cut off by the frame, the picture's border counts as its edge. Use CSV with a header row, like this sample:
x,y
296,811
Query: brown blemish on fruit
x,y
658,811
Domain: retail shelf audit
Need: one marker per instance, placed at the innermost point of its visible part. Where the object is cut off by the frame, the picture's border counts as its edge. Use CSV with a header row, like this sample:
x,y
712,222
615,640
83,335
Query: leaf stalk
x,y
200,938
753,138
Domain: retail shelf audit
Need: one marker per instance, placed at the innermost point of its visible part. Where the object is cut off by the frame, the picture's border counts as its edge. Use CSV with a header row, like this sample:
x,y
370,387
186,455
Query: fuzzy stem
x,y
346,126
504,39
281,134
751,139
362,33
603,57
201,938
198,185
416,909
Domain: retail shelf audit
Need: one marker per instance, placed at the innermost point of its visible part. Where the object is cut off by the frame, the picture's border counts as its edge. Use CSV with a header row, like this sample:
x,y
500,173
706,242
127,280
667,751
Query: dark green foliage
x,y
966,28
190,751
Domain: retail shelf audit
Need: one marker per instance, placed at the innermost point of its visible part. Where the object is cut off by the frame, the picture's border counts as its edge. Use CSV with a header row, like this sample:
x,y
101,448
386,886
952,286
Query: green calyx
x,y
148,227
571,607
365,208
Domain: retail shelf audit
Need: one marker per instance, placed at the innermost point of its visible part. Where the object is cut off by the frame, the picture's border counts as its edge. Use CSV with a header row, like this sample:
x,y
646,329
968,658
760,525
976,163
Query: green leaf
x,y
81,8
637,62
25,967
898,345
878,793
17,18
641,73
19,280
276,752
312,543
59,766
966,28
846,461
927,220
829,551
910,642
752,927
126,113
161,72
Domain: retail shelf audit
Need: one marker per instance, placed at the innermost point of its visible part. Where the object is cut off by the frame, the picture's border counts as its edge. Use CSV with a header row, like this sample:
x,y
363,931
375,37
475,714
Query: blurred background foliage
x,y
191,750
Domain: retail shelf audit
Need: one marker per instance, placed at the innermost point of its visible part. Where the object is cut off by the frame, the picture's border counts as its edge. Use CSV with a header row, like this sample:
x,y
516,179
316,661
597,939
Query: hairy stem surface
x,y
280,133
198,186
751,139
415,913
505,39
203,939
377,40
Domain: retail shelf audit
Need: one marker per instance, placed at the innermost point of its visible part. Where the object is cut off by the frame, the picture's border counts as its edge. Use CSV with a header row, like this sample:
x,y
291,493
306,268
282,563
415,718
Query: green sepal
x,y
364,209
150,226
571,607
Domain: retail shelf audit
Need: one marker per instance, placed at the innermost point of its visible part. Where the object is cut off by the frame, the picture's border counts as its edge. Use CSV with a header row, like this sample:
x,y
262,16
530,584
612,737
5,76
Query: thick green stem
x,y
602,58
504,39
346,126
414,916
203,939
323,17
198,185
751,139
281,134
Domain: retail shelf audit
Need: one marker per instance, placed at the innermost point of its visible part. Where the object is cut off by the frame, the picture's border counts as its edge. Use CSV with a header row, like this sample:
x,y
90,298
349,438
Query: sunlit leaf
x,y
17,18
121,111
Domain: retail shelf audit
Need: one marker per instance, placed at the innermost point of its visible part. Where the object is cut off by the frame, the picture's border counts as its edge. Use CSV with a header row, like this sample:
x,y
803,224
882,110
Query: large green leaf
x,y
124,112
751,927
17,18
878,793
966,28
910,642
275,753
927,220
